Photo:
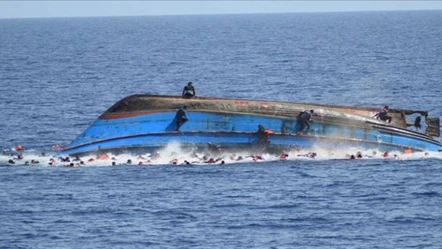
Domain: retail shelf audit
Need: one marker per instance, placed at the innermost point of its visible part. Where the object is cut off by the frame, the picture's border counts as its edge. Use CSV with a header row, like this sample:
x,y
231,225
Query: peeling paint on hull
x,y
147,121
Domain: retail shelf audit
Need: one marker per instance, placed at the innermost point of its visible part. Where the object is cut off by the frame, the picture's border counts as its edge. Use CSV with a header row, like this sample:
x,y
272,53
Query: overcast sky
x,y
19,9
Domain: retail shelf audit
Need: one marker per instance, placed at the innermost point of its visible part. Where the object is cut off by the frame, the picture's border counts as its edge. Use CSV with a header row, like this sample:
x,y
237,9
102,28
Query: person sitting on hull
x,y
181,117
188,91
383,114
304,119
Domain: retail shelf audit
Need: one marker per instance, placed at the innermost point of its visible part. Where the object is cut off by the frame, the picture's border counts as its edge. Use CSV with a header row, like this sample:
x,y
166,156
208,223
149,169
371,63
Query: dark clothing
x,y
383,115
305,115
188,91
181,117
263,135
304,120
417,123
261,129
386,118
181,113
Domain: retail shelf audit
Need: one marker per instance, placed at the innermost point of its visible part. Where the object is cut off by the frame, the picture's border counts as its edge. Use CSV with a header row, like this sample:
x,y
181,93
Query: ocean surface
x,y
58,75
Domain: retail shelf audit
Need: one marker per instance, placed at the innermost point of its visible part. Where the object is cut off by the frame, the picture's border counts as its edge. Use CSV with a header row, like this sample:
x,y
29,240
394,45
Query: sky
x,y
28,9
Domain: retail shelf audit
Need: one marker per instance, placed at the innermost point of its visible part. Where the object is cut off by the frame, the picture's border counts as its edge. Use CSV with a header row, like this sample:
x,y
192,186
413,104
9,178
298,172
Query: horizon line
x,y
218,14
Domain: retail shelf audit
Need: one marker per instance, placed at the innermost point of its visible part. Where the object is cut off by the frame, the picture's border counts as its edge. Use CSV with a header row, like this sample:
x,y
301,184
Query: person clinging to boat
x,y
181,117
261,129
263,134
383,114
304,119
189,90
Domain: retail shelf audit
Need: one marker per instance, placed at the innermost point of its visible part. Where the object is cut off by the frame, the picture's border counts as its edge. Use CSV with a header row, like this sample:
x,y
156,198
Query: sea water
x,y
58,75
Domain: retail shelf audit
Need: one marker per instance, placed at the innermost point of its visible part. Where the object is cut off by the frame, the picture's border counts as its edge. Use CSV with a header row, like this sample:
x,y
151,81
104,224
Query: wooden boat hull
x,y
148,122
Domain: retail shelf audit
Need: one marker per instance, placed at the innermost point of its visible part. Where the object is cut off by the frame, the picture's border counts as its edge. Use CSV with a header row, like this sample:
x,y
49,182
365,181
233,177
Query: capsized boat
x,y
140,122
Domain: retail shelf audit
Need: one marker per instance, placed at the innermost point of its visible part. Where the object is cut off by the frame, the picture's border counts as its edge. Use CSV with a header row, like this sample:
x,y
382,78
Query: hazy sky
x,y
18,9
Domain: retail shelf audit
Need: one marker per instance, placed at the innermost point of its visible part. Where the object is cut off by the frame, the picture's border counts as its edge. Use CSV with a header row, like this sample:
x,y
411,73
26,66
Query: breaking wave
x,y
174,154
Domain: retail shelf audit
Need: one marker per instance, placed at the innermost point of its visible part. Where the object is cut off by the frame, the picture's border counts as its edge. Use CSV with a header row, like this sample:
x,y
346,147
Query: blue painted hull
x,y
130,131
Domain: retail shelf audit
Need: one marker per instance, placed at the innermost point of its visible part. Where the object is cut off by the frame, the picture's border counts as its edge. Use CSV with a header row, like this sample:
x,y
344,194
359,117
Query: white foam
x,y
174,153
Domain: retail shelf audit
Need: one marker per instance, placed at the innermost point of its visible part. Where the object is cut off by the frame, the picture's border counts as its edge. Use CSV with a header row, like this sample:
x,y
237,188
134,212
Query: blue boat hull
x,y
151,129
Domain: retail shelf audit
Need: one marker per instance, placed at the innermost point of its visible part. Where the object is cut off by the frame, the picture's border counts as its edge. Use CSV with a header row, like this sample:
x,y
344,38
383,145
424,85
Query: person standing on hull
x,y
304,119
181,117
188,91
383,114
